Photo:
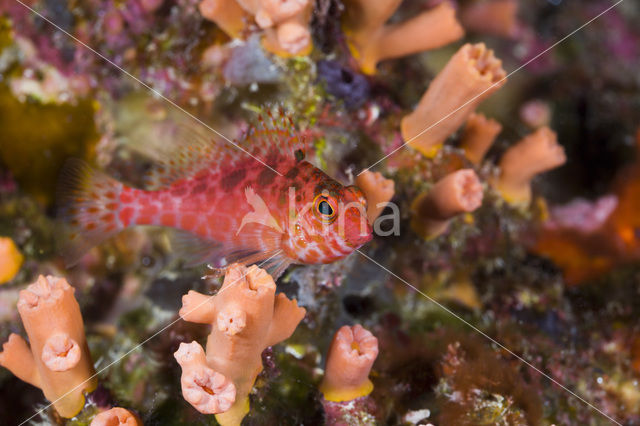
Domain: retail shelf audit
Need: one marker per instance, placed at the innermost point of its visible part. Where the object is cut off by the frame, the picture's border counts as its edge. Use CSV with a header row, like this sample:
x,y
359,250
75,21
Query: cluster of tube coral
x,y
57,359
246,317
285,24
461,191
451,100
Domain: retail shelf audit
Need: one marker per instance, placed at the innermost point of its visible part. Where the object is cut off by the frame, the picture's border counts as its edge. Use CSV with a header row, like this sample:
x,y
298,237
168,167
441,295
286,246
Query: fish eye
x,y
324,209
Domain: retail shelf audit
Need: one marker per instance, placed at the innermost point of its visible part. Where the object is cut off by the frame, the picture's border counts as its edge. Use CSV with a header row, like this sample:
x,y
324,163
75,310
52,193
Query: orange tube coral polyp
x,y
377,190
371,41
470,76
61,352
232,321
58,361
534,154
116,417
10,259
351,355
478,136
206,390
458,192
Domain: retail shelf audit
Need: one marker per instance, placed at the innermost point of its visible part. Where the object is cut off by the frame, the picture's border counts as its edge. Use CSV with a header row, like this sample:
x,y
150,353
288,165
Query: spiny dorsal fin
x,y
180,151
275,130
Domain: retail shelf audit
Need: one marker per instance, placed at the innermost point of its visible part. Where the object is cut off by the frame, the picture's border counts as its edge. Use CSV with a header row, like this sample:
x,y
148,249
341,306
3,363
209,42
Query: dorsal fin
x,y
275,130
179,151
182,150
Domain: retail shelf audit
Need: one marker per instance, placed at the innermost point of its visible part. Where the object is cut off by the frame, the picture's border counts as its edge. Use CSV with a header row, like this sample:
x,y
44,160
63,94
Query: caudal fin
x,y
88,202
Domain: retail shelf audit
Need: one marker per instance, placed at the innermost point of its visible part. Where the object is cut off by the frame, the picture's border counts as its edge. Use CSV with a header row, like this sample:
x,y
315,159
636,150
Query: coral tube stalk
x,y
116,417
351,355
377,190
478,136
496,17
536,153
58,361
470,76
226,14
246,317
458,192
371,41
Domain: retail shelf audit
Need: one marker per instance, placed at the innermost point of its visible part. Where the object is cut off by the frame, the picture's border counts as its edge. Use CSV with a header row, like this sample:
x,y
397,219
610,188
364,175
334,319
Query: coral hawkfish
x,y
258,201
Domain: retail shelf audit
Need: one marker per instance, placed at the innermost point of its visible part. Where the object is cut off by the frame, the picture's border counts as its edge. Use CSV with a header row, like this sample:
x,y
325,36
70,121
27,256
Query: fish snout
x,y
362,236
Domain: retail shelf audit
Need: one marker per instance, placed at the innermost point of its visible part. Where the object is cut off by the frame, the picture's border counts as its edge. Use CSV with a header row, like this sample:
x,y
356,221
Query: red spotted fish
x,y
256,202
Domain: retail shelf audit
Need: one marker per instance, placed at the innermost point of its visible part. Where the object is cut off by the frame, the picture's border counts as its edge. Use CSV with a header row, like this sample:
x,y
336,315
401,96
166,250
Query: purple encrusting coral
x,y
545,264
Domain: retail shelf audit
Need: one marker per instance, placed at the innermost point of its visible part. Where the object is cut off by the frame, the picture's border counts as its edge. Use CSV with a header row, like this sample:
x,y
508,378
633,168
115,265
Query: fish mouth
x,y
363,238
